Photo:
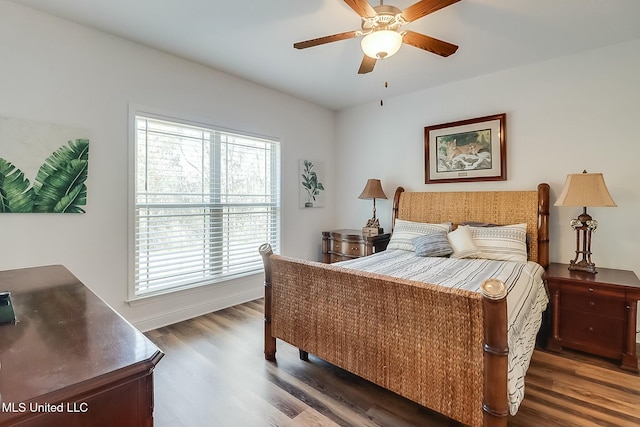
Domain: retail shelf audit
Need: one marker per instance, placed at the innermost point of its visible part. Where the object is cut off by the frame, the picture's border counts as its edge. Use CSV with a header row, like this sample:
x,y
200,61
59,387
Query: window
x,y
205,199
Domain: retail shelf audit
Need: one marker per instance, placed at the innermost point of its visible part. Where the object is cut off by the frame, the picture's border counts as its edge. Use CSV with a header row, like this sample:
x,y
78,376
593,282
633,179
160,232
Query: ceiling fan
x,y
380,28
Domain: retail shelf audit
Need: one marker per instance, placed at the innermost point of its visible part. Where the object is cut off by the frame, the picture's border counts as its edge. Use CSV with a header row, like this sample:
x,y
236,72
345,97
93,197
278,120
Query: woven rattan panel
x,y
497,207
418,340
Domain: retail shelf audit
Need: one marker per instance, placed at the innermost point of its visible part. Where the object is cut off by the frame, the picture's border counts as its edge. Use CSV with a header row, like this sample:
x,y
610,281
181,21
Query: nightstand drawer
x,y
602,335
348,248
337,258
594,301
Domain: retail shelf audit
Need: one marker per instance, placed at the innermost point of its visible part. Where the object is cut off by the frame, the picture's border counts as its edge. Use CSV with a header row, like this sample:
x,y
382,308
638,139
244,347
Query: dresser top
x,y
64,336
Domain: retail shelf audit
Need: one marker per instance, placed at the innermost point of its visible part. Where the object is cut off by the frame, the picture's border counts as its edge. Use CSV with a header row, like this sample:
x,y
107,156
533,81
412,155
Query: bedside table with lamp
x,y
344,244
593,310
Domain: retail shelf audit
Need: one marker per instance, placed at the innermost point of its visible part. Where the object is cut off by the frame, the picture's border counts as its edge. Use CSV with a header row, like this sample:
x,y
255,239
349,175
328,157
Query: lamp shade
x,y
381,44
585,189
373,190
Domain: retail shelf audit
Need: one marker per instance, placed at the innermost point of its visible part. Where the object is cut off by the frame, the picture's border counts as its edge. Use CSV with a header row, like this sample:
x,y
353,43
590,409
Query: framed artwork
x,y
311,189
466,150
43,167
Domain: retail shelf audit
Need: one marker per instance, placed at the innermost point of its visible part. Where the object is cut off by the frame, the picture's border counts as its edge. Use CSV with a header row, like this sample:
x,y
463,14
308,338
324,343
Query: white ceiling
x,y
253,39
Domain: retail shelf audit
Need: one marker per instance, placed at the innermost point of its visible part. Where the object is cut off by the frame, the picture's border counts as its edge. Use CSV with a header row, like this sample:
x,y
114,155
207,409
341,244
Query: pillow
x,y
488,224
504,243
405,231
462,243
435,244
478,224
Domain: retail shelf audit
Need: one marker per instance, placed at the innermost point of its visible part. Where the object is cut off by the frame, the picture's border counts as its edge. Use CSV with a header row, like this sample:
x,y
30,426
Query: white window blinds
x,y
205,199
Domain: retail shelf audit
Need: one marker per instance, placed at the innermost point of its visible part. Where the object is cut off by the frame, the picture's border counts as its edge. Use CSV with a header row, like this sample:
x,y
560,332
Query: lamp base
x,y
584,225
582,265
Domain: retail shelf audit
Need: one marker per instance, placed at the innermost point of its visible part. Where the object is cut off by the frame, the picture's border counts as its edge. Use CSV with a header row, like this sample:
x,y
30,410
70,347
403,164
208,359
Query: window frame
x,y
151,113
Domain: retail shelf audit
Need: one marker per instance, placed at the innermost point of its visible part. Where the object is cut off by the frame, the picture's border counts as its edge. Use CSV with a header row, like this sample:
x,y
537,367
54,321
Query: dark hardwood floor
x,y
214,374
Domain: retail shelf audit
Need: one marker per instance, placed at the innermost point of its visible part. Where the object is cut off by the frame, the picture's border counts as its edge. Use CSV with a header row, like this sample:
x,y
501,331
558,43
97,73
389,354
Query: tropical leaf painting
x,y
15,194
59,186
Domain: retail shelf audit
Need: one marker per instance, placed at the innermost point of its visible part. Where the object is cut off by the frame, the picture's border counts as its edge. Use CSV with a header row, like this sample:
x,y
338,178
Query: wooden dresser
x,y
70,360
344,244
595,313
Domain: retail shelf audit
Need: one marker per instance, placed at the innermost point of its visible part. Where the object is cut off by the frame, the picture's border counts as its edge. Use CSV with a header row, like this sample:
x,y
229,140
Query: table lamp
x,y
584,189
373,190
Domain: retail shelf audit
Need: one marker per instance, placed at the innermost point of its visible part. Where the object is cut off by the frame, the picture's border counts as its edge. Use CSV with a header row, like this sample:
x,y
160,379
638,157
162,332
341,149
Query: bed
x,y
449,349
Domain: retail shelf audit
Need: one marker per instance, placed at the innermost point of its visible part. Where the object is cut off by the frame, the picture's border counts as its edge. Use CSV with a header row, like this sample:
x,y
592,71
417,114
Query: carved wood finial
x,y
493,289
265,249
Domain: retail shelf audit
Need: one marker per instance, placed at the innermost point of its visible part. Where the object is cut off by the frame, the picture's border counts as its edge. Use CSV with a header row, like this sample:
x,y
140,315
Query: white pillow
x,y
405,231
462,243
504,243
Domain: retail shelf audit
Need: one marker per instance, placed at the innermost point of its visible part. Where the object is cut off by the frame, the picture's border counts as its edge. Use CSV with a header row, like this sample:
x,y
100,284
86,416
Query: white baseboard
x,y
169,318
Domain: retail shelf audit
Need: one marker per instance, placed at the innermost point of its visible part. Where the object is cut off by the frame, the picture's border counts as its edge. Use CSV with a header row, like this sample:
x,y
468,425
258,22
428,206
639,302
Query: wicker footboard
x,y
442,348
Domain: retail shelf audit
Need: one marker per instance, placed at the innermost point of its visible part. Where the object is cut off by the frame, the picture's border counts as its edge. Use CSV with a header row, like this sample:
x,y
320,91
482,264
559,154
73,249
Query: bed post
x,y
496,350
269,340
396,206
543,225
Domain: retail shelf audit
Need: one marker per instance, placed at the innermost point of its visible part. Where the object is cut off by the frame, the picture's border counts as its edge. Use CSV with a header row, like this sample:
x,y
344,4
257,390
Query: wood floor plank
x,y
588,383
575,408
328,405
580,389
311,418
614,378
214,374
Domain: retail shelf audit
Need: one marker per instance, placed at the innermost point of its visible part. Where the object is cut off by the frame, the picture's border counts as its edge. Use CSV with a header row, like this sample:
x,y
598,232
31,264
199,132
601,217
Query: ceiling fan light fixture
x,y
381,44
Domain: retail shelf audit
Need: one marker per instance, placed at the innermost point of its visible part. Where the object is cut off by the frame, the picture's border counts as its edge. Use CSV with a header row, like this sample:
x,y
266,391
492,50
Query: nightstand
x,y
594,313
344,244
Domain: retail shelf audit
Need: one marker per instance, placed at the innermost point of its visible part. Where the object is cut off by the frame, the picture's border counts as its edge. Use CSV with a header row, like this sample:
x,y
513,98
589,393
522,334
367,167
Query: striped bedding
x,y
526,299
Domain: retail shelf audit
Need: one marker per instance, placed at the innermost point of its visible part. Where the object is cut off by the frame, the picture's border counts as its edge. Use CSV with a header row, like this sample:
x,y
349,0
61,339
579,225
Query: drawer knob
x,y
591,303
590,289
590,328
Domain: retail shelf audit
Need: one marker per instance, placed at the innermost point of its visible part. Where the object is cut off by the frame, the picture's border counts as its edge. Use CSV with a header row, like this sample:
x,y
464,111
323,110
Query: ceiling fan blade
x,y
326,39
367,65
436,46
425,7
362,8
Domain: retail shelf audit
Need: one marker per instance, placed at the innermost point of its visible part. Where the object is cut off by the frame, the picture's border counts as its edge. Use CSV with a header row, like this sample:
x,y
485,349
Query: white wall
x,y
55,71
563,116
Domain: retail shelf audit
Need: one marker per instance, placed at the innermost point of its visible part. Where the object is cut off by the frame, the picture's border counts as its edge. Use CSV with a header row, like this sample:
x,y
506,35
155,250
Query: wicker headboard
x,y
497,207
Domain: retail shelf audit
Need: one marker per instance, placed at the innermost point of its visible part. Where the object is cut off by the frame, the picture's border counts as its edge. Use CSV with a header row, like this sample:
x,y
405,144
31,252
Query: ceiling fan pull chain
x,y
386,81
386,85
